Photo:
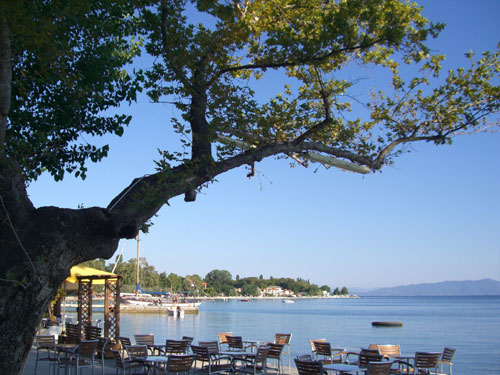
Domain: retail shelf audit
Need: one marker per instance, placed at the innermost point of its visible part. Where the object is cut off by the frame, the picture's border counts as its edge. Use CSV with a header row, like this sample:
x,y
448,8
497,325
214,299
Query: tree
x,y
62,66
220,280
344,291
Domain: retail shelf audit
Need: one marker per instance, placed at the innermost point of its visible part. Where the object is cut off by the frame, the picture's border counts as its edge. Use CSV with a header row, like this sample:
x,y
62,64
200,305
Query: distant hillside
x,y
485,287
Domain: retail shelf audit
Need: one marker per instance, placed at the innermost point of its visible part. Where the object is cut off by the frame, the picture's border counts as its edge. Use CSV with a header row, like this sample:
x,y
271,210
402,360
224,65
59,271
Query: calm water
x,y
469,324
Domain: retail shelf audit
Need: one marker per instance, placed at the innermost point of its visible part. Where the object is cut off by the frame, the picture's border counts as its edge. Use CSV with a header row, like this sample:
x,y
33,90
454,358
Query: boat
x,y
244,300
287,301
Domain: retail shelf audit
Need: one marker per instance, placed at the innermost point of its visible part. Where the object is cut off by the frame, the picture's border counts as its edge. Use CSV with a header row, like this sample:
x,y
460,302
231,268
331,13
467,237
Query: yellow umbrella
x,y
87,271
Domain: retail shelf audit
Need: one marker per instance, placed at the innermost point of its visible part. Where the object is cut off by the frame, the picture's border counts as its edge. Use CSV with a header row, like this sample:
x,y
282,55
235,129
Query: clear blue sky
x,y
433,216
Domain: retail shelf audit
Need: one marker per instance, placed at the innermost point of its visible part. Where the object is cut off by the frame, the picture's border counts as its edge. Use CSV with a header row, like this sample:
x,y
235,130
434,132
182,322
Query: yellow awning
x,y
87,271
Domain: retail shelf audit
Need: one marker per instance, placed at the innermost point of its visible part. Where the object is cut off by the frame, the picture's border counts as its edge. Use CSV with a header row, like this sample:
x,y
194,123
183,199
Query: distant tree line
x,y
218,282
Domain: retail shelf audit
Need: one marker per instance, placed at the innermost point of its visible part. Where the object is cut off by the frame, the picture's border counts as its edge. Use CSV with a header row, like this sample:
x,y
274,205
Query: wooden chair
x,y
368,355
389,351
309,367
177,364
275,352
425,362
176,347
284,338
213,346
125,366
83,357
254,364
47,344
235,343
73,334
223,338
210,361
327,353
447,359
148,340
92,332
124,342
313,346
137,351
379,368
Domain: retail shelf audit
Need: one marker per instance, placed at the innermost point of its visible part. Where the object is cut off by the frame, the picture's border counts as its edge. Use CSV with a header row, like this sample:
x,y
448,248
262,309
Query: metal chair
x,y
379,368
329,355
223,338
148,340
447,359
213,346
46,343
124,342
235,343
389,351
309,367
254,363
177,364
425,362
176,347
137,351
284,338
83,357
210,361
126,365
275,352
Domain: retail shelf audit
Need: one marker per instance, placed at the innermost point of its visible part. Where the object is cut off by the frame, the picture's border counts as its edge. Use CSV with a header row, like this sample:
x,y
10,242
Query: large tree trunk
x,y
37,249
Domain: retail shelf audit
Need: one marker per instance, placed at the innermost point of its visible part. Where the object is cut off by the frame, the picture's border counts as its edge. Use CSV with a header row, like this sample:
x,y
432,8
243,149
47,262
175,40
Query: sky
x,y
433,216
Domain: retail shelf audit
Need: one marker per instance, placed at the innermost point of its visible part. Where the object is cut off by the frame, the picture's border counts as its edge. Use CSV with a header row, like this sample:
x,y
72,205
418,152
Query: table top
x,y
66,346
153,358
236,353
342,367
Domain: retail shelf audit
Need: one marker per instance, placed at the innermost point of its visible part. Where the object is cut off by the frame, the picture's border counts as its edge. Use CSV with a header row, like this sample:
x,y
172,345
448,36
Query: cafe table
x,y
343,368
234,355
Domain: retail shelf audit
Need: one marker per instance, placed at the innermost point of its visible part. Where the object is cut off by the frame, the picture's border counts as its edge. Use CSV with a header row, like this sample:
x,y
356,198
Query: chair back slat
x,y
389,350
323,348
366,356
235,342
73,334
213,346
223,337
313,344
282,338
379,368
137,351
92,332
448,354
176,346
275,350
148,339
87,348
309,367
180,363
201,353
425,360
45,341
262,353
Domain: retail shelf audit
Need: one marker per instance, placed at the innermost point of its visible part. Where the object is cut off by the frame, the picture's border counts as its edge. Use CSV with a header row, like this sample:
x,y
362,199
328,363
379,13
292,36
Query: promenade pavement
x,y
109,367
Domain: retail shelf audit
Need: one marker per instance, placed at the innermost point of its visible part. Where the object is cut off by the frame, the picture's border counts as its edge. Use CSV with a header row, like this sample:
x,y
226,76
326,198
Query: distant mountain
x,y
485,287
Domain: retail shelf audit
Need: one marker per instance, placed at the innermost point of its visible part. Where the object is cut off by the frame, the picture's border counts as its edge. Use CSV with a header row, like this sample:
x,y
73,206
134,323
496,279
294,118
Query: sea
x,y
471,325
